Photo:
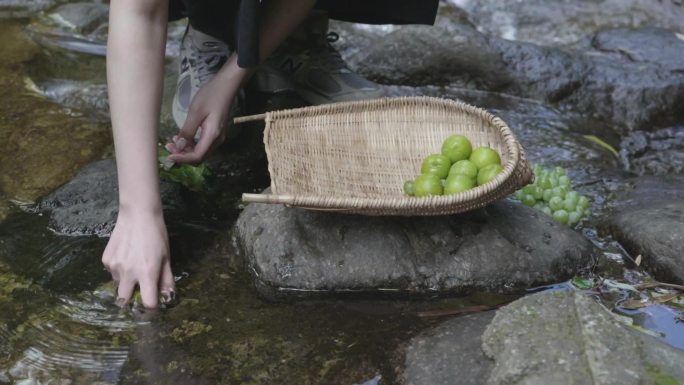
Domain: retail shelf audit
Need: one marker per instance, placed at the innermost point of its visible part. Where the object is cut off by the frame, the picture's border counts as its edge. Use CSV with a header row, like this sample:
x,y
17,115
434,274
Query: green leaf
x,y
618,285
600,142
583,283
192,177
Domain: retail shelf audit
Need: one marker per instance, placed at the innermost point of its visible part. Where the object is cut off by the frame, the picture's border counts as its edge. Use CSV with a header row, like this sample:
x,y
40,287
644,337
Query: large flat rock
x,y
562,337
504,247
649,220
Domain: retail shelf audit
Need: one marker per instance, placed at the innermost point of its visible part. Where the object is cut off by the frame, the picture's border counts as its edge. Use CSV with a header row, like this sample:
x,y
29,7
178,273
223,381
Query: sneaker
x,y
309,64
201,57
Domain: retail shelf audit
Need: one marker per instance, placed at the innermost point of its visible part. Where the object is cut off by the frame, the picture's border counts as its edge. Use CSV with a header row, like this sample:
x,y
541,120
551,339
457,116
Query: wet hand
x,y
138,254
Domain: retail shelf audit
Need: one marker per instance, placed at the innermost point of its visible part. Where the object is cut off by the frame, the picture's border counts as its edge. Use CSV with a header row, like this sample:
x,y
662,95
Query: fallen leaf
x,y
600,142
637,260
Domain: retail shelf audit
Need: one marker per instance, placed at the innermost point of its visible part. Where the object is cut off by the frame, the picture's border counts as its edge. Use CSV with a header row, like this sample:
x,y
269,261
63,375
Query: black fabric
x,y
381,11
236,22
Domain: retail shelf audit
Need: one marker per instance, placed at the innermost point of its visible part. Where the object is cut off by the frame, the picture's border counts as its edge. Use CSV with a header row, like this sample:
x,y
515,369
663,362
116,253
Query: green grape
x,y
572,195
529,189
519,194
559,192
443,183
556,203
546,210
583,202
561,216
564,180
587,213
569,205
538,169
574,218
538,193
545,183
547,195
539,206
528,200
559,170
554,180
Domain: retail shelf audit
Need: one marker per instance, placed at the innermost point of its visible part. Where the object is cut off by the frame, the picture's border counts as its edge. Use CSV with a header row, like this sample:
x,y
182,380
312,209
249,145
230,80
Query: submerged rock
x,y
22,8
649,220
546,338
43,145
504,247
88,204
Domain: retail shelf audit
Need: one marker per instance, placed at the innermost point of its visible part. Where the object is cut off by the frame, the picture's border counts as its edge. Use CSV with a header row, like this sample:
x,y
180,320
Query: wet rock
x,y
503,248
22,8
567,337
451,350
656,153
557,337
88,204
649,220
82,27
560,22
628,91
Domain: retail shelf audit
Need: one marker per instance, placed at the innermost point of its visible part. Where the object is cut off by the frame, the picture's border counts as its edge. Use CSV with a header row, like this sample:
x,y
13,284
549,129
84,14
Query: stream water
x,y
58,321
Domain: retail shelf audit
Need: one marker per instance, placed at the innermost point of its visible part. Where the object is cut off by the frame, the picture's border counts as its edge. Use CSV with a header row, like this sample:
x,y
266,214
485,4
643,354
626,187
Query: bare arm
x,y
137,252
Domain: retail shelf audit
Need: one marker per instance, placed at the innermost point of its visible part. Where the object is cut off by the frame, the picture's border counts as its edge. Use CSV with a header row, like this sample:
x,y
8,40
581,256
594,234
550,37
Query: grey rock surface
x,y
560,337
504,247
625,86
649,220
558,22
654,153
88,204
568,338
449,353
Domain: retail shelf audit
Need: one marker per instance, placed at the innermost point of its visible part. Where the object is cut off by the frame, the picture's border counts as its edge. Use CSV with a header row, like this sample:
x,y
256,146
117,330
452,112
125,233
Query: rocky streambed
x,y
274,295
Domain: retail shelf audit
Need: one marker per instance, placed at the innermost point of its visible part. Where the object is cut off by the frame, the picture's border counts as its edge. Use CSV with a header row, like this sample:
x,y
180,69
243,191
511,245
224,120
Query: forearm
x,y
135,59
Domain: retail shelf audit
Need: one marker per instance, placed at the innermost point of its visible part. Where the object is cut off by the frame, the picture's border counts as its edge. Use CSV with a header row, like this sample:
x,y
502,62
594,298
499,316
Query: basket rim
x,y
394,202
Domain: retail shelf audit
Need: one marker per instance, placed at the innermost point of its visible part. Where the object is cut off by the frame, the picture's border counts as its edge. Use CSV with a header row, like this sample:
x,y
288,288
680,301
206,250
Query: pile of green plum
x,y
458,168
552,194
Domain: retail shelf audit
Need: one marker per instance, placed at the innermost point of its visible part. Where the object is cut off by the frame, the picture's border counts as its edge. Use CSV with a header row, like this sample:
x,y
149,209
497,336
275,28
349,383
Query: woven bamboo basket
x,y
354,157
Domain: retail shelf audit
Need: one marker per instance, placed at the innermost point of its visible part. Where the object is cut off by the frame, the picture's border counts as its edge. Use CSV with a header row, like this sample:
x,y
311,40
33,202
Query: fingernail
x,y
121,302
167,296
181,143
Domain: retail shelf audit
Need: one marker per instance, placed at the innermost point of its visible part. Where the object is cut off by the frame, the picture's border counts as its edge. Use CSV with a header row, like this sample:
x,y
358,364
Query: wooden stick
x,y
249,118
658,284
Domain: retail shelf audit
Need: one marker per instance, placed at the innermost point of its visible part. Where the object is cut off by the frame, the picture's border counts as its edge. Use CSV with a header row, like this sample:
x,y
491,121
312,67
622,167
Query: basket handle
x,y
267,198
249,118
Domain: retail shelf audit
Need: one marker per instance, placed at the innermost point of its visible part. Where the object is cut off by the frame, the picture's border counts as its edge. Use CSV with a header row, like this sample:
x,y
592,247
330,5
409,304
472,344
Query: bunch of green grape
x,y
552,194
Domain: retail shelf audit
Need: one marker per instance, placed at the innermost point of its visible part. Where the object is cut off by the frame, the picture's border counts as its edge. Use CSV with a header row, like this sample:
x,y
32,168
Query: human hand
x,y
138,254
208,111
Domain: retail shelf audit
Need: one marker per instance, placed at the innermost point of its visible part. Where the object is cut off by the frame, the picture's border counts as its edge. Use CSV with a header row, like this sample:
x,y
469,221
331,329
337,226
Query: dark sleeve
x,y
248,33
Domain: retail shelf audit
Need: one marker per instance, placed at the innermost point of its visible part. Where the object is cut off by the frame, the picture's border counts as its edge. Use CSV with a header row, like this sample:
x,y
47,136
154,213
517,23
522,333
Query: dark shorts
x,y
236,21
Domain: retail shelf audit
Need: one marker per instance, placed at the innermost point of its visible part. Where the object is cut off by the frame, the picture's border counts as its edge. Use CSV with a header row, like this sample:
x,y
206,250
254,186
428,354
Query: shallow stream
x,y
58,321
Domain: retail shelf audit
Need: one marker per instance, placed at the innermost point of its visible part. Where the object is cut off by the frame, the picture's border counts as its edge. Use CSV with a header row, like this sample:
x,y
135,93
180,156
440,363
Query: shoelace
x,y
208,64
326,56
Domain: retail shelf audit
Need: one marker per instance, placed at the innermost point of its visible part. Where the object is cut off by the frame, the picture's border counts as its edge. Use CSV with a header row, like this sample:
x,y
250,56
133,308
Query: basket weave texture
x,y
354,157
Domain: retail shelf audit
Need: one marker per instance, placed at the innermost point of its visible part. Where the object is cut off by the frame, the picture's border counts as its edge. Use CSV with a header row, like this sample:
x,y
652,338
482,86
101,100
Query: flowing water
x,y
58,321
